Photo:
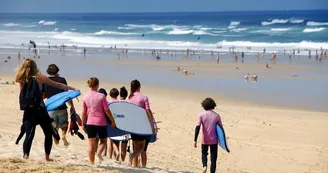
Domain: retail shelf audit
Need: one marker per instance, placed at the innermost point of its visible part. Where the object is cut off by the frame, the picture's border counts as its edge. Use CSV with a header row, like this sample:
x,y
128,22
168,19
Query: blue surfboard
x,y
61,98
222,142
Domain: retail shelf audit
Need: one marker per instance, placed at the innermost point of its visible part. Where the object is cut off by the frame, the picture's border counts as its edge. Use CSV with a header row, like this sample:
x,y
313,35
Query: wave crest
x,y
307,30
280,29
104,32
47,23
11,24
180,32
234,23
311,23
275,21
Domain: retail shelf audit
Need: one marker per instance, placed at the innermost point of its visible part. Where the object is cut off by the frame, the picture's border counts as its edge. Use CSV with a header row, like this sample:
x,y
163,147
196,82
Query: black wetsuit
x,y
31,118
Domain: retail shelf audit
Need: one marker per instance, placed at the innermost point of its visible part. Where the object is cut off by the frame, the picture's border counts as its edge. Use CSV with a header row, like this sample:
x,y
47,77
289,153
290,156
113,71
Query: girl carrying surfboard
x,y
140,143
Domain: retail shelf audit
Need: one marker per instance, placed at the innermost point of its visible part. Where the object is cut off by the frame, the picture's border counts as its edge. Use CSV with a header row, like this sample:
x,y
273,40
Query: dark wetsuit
x,y
31,118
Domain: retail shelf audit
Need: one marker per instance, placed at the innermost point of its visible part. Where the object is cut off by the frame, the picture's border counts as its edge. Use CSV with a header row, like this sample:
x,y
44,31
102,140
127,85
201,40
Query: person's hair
x,y
134,86
26,70
93,82
123,93
52,69
208,104
113,93
103,91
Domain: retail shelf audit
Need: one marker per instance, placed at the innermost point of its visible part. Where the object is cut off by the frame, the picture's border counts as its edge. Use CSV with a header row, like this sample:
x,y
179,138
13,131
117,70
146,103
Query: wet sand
x,y
262,139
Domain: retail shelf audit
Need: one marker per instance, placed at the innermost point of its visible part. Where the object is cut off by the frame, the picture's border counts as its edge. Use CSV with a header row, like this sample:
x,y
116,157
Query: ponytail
x,y
135,85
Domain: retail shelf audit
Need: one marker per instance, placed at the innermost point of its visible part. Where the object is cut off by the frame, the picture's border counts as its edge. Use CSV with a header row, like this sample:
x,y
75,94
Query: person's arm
x,y
150,115
197,129
108,112
84,115
46,80
219,121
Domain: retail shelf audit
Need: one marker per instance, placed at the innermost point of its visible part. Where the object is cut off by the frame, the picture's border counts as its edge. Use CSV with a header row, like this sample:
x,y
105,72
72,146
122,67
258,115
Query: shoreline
x,y
220,99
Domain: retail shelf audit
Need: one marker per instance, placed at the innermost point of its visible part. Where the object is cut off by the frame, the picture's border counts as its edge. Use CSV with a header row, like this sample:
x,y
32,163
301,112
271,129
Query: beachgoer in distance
x,y
208,120
218,58
254,77
60,115
140,143
93,119
36,116
246,77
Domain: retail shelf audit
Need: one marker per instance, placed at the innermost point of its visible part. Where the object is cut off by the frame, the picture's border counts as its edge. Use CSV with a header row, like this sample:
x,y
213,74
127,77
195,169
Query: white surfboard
x,y
131,118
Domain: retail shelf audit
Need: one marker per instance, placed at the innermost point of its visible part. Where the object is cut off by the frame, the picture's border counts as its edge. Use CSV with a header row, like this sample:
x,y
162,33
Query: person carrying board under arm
x,y
208,120
59,115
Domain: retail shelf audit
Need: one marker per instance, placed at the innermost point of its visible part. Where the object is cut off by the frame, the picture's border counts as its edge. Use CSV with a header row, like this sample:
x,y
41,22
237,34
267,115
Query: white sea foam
x,y
180,32
73,29
152,26
280,29
206,29
123,27
296,20
274,21
234,23
239,29
306,30
91,40
104,32
311,23
219,32
275,45
56,29
11,24
158,28
203,33
47,23
231,27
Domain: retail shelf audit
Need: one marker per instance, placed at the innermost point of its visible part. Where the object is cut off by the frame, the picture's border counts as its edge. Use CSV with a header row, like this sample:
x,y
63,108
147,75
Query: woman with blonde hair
x,y
94,121
28,73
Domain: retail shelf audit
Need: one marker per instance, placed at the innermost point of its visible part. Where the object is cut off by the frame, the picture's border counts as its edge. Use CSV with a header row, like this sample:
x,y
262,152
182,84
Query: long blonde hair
x,y
26,70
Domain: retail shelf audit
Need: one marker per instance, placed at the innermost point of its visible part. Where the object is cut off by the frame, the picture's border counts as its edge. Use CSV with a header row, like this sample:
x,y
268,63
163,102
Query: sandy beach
x,y
262,139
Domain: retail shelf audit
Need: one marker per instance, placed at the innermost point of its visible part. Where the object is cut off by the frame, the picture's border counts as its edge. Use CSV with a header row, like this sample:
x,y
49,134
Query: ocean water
x,y
275,30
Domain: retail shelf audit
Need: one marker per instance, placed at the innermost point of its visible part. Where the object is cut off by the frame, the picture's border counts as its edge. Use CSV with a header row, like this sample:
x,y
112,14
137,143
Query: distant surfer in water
x,y
140,143
208,120
94,121
60,115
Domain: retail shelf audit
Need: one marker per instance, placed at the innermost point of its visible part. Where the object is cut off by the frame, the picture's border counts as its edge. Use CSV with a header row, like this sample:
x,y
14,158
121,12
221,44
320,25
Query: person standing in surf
x,y
208,121
94,121
140,143
59,115
33,116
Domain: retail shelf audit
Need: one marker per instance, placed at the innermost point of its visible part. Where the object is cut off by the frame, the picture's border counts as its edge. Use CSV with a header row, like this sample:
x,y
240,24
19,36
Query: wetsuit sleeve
x,y
197,129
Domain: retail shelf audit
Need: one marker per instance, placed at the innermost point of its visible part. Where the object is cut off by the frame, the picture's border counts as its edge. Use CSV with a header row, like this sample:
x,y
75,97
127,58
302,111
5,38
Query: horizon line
x,y
165,11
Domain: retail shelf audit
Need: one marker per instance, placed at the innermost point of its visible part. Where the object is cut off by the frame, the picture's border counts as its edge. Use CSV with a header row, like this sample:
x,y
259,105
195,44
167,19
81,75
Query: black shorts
x,y
138,137
96,131
118,142
146,144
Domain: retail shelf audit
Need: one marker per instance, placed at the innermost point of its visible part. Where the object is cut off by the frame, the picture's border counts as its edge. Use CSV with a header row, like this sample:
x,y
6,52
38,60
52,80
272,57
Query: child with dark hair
x,y
208,120
123,93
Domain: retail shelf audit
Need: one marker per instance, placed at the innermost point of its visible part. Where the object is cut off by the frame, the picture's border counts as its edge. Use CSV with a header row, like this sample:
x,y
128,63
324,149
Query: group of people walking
x,y
95,115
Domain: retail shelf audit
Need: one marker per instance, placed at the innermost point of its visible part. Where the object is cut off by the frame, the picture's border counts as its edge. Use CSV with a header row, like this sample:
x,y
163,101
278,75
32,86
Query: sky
x,y
114,6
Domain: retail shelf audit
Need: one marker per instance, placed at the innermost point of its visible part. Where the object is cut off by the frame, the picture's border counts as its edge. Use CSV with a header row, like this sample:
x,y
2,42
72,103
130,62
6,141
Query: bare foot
x,y
100,158
25,157
66,143
48,158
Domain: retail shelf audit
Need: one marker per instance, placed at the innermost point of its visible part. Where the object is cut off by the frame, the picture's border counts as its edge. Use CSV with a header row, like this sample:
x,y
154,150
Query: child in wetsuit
x,y
208,120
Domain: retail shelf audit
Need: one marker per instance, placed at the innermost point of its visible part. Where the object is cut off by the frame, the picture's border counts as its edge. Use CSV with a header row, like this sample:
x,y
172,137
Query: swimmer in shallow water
x,y
254,77
246,77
